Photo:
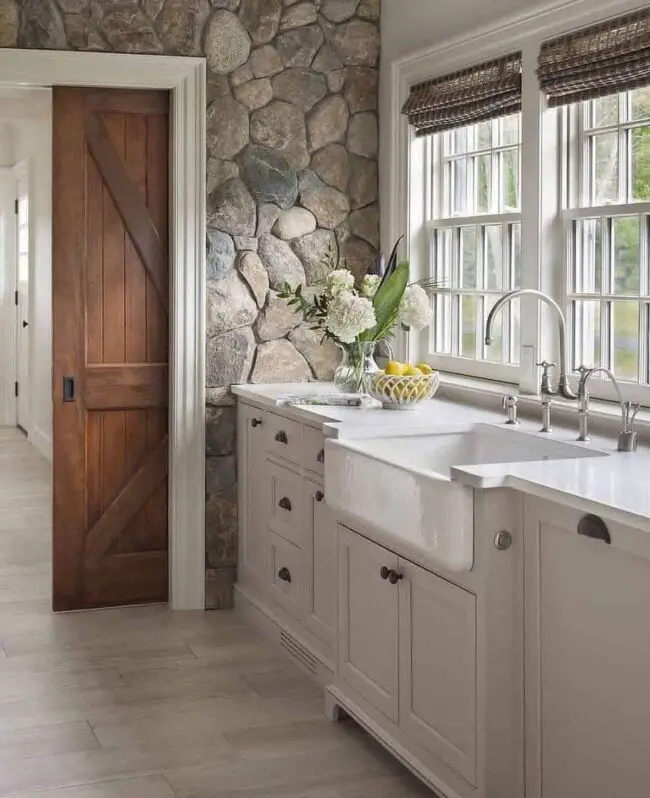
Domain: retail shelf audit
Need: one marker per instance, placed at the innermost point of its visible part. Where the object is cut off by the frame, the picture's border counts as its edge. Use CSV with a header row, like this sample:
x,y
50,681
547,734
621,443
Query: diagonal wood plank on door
x,y
130,204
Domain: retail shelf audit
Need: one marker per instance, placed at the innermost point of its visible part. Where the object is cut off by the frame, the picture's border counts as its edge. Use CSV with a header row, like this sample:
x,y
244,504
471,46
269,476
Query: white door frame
x,y
185,79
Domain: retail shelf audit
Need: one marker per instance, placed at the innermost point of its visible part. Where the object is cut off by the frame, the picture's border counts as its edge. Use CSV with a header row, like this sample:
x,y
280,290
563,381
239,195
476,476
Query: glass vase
x,y
357,359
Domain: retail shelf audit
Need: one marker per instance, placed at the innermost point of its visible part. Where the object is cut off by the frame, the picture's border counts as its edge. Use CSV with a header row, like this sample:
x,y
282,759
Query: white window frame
x,y
442,217
406,196
576,199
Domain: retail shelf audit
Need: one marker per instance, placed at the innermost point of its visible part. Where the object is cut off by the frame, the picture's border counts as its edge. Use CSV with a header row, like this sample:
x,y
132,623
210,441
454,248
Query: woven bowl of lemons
x,y
402,386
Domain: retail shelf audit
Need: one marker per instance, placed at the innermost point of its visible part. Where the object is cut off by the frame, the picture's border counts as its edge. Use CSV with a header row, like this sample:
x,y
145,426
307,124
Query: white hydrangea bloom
x,y
415,311
370,284
339,280
348,315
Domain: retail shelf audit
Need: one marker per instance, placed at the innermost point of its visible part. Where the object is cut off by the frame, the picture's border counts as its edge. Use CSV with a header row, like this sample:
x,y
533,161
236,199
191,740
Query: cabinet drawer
x,y
285,574
313,450
283,437
285,503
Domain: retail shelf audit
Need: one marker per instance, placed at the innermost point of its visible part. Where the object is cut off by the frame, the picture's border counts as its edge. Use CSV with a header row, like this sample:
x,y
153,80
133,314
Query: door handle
x,y
68,389
25,324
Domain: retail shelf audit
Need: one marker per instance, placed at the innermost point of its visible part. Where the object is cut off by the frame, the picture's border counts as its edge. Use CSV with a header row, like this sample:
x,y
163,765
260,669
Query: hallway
x,y
143,703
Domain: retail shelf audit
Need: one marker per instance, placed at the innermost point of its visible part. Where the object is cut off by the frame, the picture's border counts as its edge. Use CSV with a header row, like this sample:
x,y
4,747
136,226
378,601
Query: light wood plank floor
x,y
145,703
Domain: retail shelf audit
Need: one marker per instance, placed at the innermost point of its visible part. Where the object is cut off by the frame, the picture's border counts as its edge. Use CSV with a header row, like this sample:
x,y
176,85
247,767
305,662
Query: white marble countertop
x,y
616,487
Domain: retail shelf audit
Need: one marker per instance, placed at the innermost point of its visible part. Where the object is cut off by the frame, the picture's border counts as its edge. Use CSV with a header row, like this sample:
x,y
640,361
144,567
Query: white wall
x,y
29,113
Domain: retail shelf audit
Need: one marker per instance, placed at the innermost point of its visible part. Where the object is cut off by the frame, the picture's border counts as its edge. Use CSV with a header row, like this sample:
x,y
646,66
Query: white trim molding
x,y
185,79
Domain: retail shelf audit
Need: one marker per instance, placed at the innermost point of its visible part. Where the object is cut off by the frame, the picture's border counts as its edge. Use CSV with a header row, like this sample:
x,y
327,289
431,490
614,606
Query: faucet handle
x,y
510,406
547,365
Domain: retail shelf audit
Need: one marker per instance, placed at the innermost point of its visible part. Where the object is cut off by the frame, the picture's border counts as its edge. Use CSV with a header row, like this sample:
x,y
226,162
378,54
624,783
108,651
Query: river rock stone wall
x,y
291,175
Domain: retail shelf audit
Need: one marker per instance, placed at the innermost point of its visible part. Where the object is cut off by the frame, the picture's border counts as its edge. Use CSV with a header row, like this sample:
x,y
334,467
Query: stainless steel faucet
x,y
564,385
627,437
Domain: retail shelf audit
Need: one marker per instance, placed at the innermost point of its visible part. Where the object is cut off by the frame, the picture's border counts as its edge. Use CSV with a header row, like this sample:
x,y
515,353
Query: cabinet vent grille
x,y
299,652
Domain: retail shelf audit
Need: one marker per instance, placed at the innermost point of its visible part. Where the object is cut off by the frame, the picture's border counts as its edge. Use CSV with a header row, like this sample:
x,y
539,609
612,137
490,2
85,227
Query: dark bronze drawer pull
x,y
592,526
321,456
281,437
285,575
256,422
285,504
390,575
319,495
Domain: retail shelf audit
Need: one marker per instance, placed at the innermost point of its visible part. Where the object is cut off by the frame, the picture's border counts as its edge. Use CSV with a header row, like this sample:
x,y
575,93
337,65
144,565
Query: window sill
x,y
605,416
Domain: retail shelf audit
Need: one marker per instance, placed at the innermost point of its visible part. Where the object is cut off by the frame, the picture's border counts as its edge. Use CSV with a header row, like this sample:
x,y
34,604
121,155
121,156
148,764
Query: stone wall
x,y
291,174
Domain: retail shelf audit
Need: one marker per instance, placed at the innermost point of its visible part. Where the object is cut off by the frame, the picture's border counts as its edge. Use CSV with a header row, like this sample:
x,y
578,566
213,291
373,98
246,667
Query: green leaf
x,y
387,301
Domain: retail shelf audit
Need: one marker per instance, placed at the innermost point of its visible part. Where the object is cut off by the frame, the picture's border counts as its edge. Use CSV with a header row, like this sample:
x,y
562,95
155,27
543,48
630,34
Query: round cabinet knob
x,y
503,540
321,456
319,495
281,437
256,422
285,575
384,572
285,503
394,577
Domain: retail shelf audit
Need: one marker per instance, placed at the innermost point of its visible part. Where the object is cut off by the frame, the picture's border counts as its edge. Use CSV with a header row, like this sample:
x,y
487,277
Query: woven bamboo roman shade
x,y
603,59
462,98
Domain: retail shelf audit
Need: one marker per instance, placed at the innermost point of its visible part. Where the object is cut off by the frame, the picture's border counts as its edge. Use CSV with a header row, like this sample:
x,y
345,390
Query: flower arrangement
x,y
357,316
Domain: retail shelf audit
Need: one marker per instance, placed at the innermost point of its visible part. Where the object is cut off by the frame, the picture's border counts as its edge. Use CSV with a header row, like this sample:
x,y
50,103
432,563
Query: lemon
x,y
425,368
411,371
394,368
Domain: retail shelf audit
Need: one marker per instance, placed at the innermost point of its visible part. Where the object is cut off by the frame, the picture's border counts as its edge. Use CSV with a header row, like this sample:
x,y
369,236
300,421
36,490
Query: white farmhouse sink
x,y
403,486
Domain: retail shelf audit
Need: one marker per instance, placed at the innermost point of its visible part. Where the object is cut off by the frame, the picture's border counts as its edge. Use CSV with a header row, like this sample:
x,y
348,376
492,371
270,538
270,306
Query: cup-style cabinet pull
x,y
256,422
319,495
592,526
390,575
285,575
281,437
321,456
285,504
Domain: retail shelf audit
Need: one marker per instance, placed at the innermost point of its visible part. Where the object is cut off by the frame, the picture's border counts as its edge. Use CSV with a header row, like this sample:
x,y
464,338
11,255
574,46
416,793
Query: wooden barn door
x,y
110,342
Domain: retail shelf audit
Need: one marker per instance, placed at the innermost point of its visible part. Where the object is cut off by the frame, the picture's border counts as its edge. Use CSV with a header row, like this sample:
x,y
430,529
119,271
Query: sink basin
x,y
403,485
479,445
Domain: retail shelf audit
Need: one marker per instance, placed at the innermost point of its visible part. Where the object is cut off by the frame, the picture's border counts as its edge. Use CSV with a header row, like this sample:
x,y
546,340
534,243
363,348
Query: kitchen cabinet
x,y
587,656
251,447
407,644
287,536
368,621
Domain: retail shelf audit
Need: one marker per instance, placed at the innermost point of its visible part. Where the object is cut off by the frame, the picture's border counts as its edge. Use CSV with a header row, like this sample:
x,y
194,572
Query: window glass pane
x,y
509,130
625,248
484,135
515,327
443,324
640,103
483,167
603,111
494,351
625,330
640,163
468,326
510,180
443,255
456,141
516,255
468,257
604,168
587,333
458,186
493,257
589,256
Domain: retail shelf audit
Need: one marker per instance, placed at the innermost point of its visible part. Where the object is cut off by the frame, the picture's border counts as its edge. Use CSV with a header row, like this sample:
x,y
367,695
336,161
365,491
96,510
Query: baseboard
x,y
283,636
42,443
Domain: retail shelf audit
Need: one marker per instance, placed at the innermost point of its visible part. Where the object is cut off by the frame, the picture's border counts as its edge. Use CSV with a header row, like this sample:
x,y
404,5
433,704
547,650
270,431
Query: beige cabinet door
x,y
368,621
251,462
587,657
437,645
321,584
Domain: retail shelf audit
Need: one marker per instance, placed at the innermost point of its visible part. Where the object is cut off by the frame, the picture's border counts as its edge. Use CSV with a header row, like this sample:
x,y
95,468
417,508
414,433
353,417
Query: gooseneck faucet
x,y
564,386
627,437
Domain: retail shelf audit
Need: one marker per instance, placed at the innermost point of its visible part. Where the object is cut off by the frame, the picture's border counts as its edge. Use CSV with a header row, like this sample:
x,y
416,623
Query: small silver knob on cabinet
x,y
502,540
